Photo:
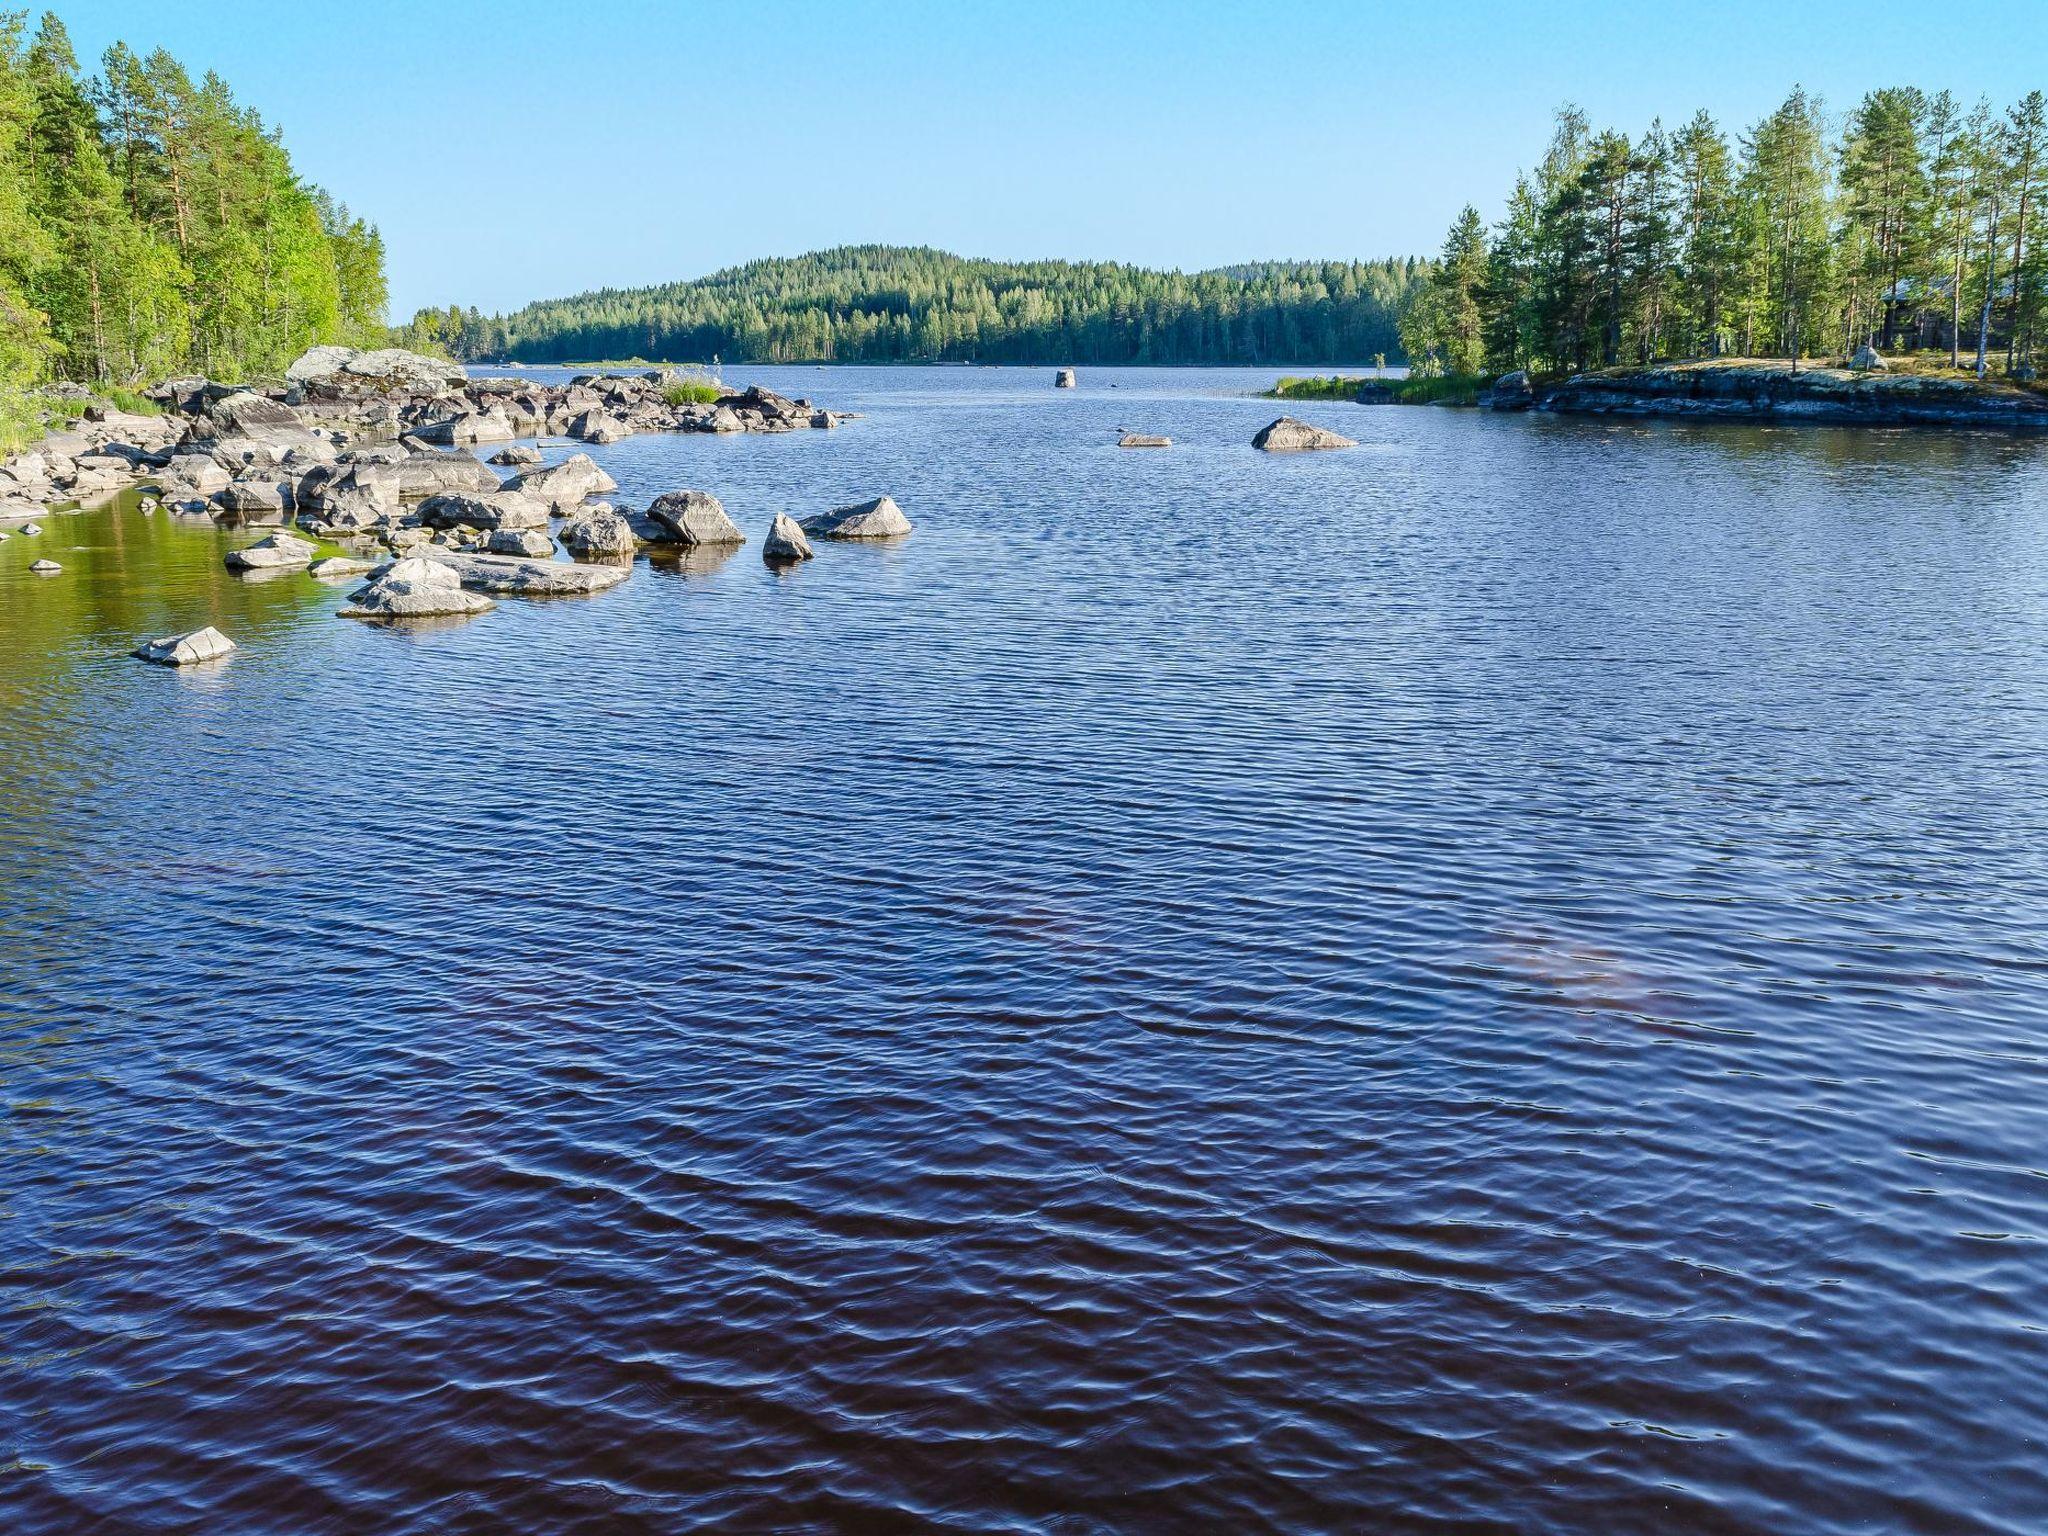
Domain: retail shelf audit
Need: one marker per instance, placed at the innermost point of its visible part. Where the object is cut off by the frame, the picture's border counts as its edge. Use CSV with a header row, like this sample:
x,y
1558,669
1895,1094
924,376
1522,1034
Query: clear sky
x,y
512,149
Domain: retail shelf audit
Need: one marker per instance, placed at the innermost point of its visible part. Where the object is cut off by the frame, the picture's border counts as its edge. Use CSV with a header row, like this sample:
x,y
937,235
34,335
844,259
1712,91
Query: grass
x,y
1455,389
1336,387
134,404
692,392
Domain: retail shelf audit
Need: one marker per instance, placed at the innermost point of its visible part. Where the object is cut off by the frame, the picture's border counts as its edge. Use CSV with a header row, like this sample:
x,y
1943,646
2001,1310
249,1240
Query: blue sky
x,y
515,150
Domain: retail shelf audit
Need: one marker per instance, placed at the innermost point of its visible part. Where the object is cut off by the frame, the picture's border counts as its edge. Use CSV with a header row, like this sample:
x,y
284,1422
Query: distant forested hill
x,y
875,303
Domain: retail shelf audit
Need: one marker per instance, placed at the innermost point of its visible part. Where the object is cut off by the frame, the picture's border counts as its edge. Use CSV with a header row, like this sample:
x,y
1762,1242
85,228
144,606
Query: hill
x,y
876,303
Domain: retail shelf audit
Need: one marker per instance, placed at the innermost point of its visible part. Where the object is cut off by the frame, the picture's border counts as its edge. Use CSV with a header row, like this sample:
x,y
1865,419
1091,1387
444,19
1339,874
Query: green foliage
x,y
890,304
150,225
693,393
134,404
1900,232
1334,387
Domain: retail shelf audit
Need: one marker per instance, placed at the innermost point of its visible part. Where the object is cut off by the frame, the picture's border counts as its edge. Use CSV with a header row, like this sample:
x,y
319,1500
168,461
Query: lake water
x,y
1493,982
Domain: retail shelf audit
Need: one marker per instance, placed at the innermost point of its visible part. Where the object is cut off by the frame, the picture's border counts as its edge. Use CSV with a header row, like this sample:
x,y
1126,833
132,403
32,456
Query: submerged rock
x,y
1290,436
696,517
1143,440
414,588
877,519
532,578
278,552
1064,379
198,645
785,541
46,568
30,530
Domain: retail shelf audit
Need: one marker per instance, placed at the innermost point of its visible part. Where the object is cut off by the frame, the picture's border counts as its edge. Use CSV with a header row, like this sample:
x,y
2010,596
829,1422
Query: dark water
x,y
1493,982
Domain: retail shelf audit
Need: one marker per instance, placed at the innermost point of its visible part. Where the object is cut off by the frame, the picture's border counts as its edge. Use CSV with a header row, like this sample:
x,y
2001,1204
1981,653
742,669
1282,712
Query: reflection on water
x,y
1488,982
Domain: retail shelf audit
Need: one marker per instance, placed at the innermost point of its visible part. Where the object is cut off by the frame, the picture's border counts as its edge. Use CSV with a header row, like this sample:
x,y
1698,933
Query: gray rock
x,y
1867,360
45,568
278,552
597,427
339,567
1064,379
598,531
565,484
785,541
518,453
1143,440
533,578
416,587
1512,392
877,519
530,542
1290,436
425,474
255,498
696,517
487,510
247,414
186,650
31,529
343,371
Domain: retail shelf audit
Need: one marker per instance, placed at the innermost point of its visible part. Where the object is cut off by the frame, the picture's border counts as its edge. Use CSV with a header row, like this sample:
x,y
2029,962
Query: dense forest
x,y
149,225
1909,224
875,303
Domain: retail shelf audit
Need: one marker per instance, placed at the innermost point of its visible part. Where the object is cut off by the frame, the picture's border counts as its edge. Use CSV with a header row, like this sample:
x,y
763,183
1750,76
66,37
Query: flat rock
x,y
531,578
785,541
46,568
877,519
185,650
1290,436
696,517
485,510
414,588
340,567
428,473
1143,440
278,552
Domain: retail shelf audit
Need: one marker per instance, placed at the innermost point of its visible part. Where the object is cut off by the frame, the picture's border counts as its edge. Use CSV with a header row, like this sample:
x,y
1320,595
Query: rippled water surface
x,y
1492,982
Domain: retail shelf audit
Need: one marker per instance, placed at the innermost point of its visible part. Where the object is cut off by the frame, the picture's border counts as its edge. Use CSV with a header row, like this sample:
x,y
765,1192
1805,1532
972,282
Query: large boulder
x,y
532,578
1869,360
256,498
518,454
486,510
413,588
785,541
1512,392
696,517
248,414
278,552
599,427
344,372
1290,436
427,473
185,650
1064,379
532,543
565,484
491,426
598,531
877,519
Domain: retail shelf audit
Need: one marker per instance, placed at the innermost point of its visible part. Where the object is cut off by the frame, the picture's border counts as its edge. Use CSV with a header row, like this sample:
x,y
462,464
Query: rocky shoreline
x,y
1751,390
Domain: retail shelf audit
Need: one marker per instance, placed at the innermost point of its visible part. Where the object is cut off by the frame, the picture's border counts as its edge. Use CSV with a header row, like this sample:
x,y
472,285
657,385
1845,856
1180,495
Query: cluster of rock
x,y
352,433
1867,393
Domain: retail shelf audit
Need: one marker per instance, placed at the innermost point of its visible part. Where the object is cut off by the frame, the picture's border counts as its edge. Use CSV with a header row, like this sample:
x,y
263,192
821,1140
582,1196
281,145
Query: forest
x,y
149,226
891,304
1909,225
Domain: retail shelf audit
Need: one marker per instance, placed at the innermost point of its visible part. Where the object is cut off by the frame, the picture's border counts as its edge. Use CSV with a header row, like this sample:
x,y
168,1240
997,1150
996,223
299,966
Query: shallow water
x,y
1491,982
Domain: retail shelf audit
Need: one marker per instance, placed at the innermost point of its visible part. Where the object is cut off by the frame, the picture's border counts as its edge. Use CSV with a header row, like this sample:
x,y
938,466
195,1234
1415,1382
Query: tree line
x,y
1911,223
149,225
891,304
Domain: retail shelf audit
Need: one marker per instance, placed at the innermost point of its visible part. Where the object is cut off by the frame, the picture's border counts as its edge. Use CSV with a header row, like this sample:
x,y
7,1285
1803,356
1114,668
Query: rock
x,y
1064,379
248,414
31,529
335,372
207,644
724,418
530,542
877,519
533,578
338,567
46,568
518,453
255,498
414,588
567,483
1143,440
696,517
279,551
194,473
598,530
487,510
492,426
1867,360
1512,392
596,427
426,473
146,505
1290,436
785,542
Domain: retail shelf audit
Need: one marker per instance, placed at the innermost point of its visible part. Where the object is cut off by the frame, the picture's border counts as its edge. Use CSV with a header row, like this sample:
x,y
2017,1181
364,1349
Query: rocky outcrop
x,y
1512,392
877,519
186,650
695,517
1143,440
785,541
566,484
280,551
344,373
1290,436
1064,379
1751,390
414,588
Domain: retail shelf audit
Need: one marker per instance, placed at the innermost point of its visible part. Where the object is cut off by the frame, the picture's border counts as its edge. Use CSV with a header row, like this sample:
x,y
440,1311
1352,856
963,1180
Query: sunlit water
x,y
1491,982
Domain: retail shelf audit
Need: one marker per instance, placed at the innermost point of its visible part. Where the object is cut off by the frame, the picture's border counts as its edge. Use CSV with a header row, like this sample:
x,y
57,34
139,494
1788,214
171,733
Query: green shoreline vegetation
x,y
149,226
1917,229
